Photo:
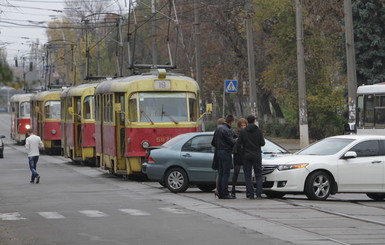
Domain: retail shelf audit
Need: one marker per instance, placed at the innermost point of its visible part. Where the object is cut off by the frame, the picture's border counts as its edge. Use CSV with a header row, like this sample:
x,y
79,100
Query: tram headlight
x,y
27,126
145,144
53,131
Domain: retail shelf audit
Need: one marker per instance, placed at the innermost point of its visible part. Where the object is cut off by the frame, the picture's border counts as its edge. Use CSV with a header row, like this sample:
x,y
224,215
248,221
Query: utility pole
x,y
350,60
153,31
251,63
302,105
197,35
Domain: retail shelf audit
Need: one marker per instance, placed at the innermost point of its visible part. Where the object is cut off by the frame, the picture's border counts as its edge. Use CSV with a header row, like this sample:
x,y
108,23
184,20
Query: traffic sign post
x,y
230,86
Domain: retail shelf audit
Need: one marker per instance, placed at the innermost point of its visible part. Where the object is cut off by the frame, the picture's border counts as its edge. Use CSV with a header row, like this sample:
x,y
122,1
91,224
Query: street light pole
x,y
251,63
350,60
302,105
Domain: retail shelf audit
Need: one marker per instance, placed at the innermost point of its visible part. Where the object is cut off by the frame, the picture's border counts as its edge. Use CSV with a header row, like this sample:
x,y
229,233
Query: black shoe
x,y
37,179
251,197
227,197
233,195
216,195
32,182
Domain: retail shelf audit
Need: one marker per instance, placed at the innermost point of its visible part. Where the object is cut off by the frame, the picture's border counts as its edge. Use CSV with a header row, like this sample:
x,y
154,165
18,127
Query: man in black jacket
x,y
224,142
250,141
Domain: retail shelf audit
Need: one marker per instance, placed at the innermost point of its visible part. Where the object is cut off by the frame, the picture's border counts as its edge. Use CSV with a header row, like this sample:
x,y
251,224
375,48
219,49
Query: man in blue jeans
x,y
224,142
251,140
33,143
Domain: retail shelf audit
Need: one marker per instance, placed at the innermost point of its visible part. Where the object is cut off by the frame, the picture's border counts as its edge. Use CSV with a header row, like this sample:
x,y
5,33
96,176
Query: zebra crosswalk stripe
x,y
11,216
51,215
93,213
135,212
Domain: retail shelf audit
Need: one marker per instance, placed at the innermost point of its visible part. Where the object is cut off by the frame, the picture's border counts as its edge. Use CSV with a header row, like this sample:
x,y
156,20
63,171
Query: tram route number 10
x,y
162,84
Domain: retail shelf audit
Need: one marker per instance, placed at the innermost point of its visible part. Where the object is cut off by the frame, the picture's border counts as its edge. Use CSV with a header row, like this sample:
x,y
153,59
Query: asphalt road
x,y
82,205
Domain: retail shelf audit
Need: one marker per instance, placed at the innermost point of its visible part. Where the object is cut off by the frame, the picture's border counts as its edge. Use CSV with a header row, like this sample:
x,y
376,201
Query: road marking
x,y
135,212
11,216
51,215
173,210
93,213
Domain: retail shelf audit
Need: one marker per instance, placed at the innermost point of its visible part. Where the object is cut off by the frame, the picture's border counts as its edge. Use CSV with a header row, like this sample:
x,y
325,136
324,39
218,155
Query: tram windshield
x,y
25,109
52,109
165,106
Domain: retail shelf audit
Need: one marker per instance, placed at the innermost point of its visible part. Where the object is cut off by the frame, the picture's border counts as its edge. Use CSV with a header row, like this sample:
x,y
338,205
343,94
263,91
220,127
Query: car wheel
x,y
206,188
176,180
376,196
318,186
274,194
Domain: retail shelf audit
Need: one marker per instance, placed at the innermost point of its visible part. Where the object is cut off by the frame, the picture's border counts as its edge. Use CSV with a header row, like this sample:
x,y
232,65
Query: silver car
x,y
187,159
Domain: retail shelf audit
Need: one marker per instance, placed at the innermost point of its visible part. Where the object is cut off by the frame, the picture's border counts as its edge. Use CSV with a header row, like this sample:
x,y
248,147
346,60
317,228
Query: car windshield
x,y
175,140
271,148
328,146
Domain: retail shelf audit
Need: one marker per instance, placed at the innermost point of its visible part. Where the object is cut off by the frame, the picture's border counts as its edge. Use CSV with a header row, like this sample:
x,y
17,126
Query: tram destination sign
x,y
162,84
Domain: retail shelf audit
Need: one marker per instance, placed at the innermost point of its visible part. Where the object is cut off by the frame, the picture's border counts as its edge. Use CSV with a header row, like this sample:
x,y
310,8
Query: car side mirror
x,y
350,154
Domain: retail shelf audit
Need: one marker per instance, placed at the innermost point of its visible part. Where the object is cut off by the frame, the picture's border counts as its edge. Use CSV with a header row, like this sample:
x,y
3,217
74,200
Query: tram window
x,y
87,105
69,103
369,110
52,109
192,106
133,109
25,109
163,106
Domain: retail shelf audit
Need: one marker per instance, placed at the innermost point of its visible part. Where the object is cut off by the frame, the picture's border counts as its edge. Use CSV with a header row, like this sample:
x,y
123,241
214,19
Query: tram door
x,y
39,120
120,131
77,127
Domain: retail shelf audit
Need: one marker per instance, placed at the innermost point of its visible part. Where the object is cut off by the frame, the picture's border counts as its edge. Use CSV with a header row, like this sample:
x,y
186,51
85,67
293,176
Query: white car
x,y
346,163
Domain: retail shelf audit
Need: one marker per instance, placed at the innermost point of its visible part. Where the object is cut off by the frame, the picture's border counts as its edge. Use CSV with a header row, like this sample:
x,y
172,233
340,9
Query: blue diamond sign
x,y
231,86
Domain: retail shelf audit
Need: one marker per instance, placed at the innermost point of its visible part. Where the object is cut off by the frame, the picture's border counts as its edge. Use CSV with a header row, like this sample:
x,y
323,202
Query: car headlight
x,y
292,166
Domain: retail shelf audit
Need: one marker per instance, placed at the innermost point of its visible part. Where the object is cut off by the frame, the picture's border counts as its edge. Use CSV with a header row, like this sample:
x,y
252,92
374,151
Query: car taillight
x,y
150,160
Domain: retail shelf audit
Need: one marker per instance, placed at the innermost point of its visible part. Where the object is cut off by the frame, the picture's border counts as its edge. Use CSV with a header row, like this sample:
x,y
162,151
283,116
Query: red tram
x,y
136,112
20,116
45,117
78,123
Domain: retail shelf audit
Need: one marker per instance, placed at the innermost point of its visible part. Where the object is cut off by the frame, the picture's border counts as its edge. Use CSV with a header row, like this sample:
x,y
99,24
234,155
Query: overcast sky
x,y
23,21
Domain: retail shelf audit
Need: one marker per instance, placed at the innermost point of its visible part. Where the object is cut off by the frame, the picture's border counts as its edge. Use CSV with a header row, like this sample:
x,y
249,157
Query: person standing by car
x,y
224,142
242,123
215,163
251,140
33,143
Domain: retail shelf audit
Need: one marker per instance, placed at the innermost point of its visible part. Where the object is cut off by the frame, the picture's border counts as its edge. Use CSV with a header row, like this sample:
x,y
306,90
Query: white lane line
x,y
135,212
173,210
51,215
11,216
93,213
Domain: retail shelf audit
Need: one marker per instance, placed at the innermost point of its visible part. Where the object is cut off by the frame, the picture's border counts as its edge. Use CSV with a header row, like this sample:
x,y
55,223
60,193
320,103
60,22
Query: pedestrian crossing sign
x,y
231,86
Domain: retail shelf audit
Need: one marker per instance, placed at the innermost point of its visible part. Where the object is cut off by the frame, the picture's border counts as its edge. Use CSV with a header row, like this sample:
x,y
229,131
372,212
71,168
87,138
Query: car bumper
x,y
153,172
286,181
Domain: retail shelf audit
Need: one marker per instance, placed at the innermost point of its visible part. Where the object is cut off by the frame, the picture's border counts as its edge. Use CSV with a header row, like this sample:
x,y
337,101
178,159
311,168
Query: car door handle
x,y
186,155
373,162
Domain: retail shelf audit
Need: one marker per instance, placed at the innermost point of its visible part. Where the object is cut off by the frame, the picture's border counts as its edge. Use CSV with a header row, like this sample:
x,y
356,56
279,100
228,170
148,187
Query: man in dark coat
x,y
224,142
250,141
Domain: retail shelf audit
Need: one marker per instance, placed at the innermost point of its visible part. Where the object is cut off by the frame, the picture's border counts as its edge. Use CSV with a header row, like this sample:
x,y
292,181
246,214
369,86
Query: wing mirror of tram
x,y
350,154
